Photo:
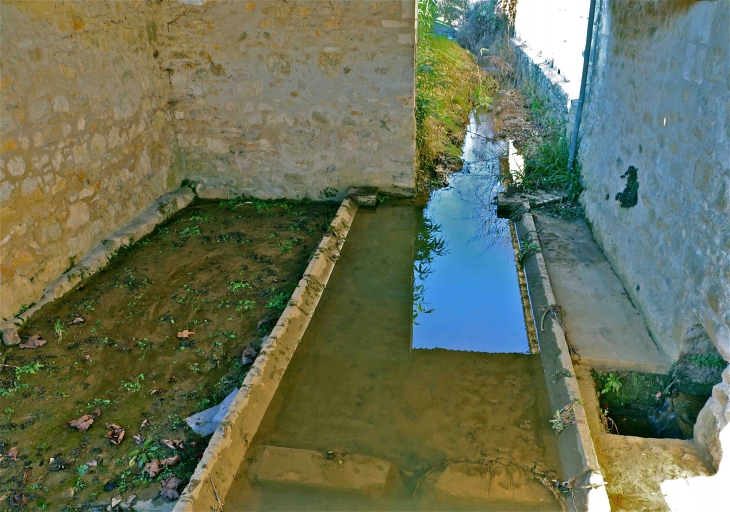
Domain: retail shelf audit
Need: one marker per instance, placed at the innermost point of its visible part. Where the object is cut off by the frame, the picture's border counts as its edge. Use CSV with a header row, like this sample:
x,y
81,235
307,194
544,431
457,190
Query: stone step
x,y
496,484
361,473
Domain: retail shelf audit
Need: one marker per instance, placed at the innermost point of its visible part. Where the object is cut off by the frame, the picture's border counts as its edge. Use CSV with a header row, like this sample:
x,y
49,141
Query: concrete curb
x,y
577,452
99,257
216,470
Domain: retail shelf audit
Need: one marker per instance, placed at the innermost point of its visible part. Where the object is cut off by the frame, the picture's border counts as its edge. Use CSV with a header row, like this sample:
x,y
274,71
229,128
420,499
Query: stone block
x,y
360,473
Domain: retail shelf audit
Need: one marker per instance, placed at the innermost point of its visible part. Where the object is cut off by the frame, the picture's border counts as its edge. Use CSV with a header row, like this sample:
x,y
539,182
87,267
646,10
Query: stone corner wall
x,y
106,106
659,102
287,99
85,134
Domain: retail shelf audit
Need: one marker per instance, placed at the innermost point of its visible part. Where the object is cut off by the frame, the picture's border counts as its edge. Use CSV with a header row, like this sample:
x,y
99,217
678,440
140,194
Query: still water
x,y
467,293
363,421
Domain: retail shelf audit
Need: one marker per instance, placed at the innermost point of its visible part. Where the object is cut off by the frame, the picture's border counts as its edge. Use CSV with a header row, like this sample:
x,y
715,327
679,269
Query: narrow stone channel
x,y
362,421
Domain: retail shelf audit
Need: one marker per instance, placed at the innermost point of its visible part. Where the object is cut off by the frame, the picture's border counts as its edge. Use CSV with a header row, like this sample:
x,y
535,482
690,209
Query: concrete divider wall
x,y
577,452
217,469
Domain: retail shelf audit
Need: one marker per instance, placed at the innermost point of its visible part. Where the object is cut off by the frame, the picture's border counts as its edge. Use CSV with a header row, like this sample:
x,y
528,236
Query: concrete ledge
x,y
216,470
97,259
577,452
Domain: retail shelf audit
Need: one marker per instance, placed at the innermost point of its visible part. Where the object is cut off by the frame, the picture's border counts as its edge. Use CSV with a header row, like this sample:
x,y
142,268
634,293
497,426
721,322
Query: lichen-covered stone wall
x,y
659,100
106,106
86,139
286,99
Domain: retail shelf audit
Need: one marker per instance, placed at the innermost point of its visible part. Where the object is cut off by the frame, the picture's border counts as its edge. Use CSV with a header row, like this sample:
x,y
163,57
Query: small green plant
x,y
143,454
528,248
612,384
133,386
238,285
564,416
30,368
560,374
709,361
278,301
58,328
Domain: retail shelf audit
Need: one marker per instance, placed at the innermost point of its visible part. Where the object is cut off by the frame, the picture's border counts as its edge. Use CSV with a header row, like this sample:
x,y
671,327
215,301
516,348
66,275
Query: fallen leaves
x,y
144,424
19,500
157,391
34,341
153,468
184,334
83,423
12,453
170,461
169,487
115,433
173,444
138,439
77,320
92,463
249,355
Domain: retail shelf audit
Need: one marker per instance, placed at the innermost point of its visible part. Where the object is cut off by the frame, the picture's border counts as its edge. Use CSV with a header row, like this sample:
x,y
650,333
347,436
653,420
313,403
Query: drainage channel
x,y
379,410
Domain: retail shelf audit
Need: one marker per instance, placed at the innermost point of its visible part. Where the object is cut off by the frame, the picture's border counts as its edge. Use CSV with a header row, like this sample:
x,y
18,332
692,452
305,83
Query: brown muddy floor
x,y
223,270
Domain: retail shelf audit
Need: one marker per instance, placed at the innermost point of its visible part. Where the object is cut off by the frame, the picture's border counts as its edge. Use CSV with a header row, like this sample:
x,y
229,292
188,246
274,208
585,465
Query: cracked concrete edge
x,y
218,467
575,445
159,211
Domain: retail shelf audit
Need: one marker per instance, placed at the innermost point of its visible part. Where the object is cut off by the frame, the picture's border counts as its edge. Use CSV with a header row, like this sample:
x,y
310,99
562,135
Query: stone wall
x,y
659,101
108,105
286,99
86,139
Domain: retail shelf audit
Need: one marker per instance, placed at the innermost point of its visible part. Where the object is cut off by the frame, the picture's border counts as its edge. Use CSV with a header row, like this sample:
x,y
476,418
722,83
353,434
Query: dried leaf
x,y
92,463
169,488
115,433
34,341
153,468
170,461
116,501
130,499
19,500
157,391
138,439
12,453
144,424
174,444
26,474
77,320
249,355
83,423
658,395
184,334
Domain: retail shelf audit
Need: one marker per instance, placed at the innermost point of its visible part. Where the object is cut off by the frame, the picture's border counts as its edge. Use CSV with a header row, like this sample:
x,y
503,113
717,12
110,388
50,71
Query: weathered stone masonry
x,y
108,105
659,100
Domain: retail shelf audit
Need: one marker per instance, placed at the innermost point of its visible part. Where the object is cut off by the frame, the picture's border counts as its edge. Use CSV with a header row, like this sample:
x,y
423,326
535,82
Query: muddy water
x,y
467,292
463,430
223,270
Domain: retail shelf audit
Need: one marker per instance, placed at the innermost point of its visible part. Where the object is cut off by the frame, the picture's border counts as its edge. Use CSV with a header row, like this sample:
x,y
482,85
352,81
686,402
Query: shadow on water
x,y
466,292
362,421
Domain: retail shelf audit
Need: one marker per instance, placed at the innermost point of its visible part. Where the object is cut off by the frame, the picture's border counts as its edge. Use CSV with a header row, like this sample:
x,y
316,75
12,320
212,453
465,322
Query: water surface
x,y
467,295
356,387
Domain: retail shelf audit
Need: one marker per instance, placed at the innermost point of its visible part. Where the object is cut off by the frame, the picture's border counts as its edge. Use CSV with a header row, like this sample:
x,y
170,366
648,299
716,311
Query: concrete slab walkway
x,y
603,327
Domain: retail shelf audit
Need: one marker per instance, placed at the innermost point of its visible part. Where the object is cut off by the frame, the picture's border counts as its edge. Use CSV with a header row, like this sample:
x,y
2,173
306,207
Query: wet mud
x,y
221,270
